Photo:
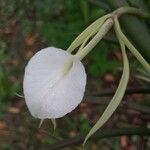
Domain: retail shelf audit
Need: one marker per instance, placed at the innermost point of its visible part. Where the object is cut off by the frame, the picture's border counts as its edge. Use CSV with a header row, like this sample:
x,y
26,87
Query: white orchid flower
x,y
54,83
55,80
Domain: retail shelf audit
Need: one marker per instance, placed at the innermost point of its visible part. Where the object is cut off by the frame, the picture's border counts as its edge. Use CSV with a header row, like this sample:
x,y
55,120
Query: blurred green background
x,y
26,26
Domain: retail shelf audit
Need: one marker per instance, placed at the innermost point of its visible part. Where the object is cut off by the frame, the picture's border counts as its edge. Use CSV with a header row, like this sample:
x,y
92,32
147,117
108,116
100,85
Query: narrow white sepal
x,y
54,123
41,122
19,95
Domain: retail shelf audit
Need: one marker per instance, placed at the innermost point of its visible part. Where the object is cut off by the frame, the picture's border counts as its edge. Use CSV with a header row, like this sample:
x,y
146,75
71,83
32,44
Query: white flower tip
x,y
41,122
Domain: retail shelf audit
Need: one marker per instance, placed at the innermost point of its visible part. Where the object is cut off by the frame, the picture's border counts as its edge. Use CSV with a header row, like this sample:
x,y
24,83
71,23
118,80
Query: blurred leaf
x,y
84,4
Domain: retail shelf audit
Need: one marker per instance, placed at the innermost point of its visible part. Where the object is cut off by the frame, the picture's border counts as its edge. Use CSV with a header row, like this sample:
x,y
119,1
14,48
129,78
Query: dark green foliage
x,y
5,89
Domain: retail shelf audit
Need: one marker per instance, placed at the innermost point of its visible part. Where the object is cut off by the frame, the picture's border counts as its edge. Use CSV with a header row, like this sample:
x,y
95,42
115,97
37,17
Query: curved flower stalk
x,y
54,83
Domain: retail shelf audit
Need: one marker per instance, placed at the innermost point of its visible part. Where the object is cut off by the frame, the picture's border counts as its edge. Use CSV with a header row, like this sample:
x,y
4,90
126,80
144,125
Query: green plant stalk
x,y
100,34
131,47
133,27
130,10
100,135
118,95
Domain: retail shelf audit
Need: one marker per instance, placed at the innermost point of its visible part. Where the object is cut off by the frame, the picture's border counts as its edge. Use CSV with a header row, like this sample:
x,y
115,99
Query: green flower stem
x,y
131,47
136,29
100,135
130,10
103,30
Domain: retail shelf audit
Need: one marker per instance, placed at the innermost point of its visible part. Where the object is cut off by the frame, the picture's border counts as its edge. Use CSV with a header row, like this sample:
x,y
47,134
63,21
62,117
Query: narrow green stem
x,y
130,10
137,29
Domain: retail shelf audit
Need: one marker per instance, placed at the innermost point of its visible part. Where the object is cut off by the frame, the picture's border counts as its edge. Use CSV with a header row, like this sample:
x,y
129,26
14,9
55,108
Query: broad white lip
x,y
54,83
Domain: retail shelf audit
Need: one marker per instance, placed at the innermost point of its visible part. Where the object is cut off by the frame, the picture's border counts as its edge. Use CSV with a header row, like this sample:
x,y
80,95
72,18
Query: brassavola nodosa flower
x,y
54,83
55,80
